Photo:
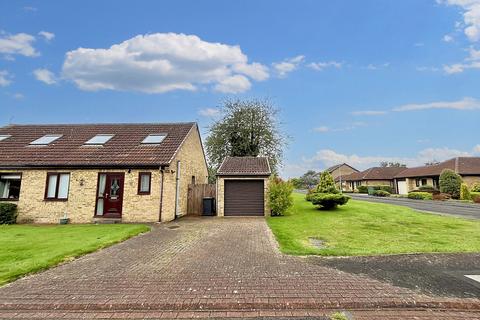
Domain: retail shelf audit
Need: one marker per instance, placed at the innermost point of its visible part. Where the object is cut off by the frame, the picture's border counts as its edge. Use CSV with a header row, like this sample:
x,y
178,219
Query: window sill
x,y
7,199
143,193
55,200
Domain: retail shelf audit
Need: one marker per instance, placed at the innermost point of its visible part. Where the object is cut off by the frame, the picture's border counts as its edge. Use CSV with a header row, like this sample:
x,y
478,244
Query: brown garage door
x,y
244,198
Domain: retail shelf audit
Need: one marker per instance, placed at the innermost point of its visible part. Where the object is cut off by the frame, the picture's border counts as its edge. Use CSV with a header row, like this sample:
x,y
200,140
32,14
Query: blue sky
x,y
356,81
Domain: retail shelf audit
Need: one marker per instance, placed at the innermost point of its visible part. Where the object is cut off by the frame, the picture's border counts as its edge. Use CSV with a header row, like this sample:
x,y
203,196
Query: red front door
x,y
109,195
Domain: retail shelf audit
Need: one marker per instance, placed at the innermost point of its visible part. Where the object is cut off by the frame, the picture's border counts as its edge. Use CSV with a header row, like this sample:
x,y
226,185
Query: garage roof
x,y
244,166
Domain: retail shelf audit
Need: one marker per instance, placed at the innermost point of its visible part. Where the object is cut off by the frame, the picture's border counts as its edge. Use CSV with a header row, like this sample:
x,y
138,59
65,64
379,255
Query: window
x,y
57,186
100,139
10,186
154,138
144,180
424,182
46,139
4,136
417,182
193,179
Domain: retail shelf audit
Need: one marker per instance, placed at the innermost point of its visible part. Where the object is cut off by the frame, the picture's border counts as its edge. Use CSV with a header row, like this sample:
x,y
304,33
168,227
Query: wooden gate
x,y
196,193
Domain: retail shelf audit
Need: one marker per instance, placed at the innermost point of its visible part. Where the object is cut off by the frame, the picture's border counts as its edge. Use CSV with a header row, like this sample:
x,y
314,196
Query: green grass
x,y
365,228
28,248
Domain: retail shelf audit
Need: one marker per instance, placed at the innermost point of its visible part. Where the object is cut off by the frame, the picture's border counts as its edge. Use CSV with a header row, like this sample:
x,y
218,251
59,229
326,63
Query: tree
x,y
386,164
326,184
310,179
450,183
247,128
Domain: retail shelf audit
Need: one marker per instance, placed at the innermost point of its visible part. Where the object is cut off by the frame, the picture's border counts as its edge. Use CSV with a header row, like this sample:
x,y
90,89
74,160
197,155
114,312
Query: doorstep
x,y
106,220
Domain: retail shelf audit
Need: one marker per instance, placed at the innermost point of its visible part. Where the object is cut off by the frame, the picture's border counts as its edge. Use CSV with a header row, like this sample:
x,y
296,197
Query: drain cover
x,y
173,227
317,243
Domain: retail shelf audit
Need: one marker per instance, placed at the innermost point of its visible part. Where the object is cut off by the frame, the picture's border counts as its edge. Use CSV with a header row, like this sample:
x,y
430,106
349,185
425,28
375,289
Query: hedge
x,y
475,196
384,187
420,195
381,193
8,213
362,189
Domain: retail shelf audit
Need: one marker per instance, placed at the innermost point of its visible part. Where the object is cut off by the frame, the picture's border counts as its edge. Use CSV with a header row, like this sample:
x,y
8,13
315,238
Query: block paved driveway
x,y
212,267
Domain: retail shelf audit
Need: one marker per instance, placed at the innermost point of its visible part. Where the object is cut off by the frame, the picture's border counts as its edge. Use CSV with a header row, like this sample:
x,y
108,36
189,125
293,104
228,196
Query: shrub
x,y
475,196
475,187
381,193
441,196
464,192
279,196
428,188
329,201
420,195
385,187
8,213
362,189
450,183
326,184
309,194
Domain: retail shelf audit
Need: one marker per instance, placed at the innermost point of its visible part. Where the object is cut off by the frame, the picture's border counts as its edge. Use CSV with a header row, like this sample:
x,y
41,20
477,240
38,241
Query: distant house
x,y
412,178
372,177
339,171
100,172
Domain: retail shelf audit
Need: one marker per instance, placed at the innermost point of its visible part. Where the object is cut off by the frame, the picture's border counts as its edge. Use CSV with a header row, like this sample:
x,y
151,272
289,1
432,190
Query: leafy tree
x,y
247,128
326,184
450,183
464,192
297,183
385,164
279,196
310,179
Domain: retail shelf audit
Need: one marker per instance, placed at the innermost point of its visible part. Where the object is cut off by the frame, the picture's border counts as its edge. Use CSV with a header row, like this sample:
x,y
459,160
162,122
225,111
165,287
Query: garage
x,y
244,198
242,186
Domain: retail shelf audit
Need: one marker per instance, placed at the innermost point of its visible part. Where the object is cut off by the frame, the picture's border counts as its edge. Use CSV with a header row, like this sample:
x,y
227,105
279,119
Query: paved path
x,y
459,209
212,267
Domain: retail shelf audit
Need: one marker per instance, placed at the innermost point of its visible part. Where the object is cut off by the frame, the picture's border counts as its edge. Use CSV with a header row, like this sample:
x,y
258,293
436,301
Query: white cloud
x,y
471,16
288,65
471,62
372,66
476,149
45,76
162,62
424,68
209,112
47,35
464,104
321,129
447,38
319,66
18,96
20,43
326,157
233,84
5,78
28,8
369,113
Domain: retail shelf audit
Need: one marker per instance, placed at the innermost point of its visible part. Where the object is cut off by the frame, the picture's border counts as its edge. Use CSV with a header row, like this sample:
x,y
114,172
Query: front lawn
x,y
366,228
29,248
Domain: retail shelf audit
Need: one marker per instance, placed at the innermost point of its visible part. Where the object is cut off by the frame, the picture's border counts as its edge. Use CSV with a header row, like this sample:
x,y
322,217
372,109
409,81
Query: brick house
x,y
121,172
339,172
242,186
372,177
412,178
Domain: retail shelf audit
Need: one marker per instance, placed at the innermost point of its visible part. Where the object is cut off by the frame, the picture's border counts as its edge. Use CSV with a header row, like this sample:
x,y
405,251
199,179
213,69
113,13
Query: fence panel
x,y
196,193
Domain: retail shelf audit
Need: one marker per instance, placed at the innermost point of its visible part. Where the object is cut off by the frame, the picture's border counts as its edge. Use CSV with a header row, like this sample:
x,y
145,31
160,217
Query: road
x,y
459,209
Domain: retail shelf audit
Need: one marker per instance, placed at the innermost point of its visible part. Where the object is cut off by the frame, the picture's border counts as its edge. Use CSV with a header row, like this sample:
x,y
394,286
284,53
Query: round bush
x,y
8,213
329,201
381,193
450,183
476,187
279,196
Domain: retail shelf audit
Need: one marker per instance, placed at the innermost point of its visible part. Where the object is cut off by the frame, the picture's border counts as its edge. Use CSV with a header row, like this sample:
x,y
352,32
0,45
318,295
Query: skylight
x,y
100,139
154,138
4,136
46,139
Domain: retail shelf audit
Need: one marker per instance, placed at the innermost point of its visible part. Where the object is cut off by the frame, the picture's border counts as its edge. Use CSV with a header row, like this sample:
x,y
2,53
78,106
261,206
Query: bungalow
x,y
338,173
372,177
412,178
91,172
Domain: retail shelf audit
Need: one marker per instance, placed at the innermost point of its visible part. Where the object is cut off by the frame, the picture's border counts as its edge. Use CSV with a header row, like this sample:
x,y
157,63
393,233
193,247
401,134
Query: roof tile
x,y
244,166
